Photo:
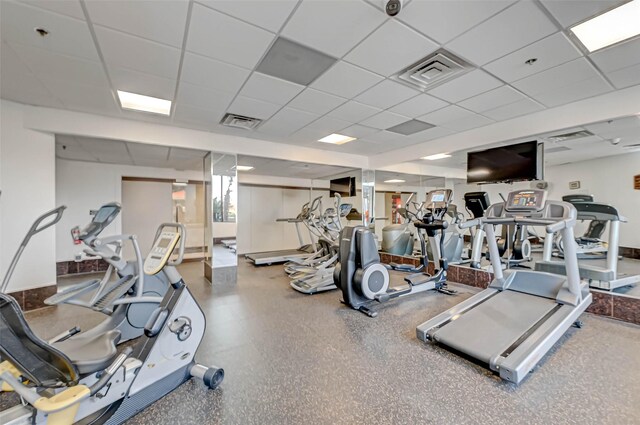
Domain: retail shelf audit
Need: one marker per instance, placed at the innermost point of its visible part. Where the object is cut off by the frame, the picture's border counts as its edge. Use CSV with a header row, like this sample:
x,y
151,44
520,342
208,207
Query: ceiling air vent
x,y
435,69
569,136
239,121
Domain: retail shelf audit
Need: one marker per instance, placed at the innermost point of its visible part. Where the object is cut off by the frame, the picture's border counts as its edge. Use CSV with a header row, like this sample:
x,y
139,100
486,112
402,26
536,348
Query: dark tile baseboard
x,y
629,252
32,299
64,268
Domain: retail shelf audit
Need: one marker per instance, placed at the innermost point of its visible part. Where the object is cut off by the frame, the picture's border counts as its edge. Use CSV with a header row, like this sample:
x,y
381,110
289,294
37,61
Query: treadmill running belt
x,y
495,325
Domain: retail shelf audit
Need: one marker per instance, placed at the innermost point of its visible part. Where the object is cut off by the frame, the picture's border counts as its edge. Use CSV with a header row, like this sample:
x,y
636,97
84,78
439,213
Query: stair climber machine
x,y
88,381
397,239
453,244
476,203
363,279
513,323
514,247
128,299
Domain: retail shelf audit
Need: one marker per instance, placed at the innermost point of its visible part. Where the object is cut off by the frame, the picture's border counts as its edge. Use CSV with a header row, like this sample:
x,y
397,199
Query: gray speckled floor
x,y
291,359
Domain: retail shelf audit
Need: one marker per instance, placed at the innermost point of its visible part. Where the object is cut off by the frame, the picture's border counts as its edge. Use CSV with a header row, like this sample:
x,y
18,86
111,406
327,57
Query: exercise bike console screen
x,y
526,200
161,251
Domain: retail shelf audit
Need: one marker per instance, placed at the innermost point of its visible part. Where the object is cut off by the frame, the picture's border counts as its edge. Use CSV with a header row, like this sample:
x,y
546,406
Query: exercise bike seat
x,y
91,353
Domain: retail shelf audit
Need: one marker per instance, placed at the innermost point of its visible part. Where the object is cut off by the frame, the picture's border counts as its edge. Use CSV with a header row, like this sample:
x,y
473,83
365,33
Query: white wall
x,y
27,176
608,179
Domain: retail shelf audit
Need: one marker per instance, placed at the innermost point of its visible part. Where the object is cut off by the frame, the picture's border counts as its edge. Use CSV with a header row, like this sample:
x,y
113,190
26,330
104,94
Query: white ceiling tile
x,y
466,86
569,12
515,109
70,8
472,121
419,105
549,52
386,94
182,153
194,115
142,151
554,78
519,25
104,149
73,152
270,89
307,134
221,37
430,134
316,101
46,64
328,124
82,97
391,48
269,15
331,28
286,121
203,97
492,99
67,35
140,54
384,120
385,137
253,108
625,77
212,73
139,82
445,20
617,57
359,147
359,131
353,111
161,21
346,80
575,91
445,115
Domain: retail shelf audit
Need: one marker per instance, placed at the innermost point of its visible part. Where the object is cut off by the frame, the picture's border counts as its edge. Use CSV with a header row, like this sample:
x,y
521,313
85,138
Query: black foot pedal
x,y
367,311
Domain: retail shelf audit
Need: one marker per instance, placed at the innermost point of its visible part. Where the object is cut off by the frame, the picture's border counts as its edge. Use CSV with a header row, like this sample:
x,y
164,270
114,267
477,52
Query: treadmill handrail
x,y
552,225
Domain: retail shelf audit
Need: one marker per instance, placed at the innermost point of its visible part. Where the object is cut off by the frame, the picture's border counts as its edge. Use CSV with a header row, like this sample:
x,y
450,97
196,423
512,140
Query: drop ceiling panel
x,y
574,91
445,115
316,101
331,28
253,108
203,97
385,137
515,109
74,153
82,97
286,121
161,21
625,77
140,54
328,125
419,105
445,20
386,94
555,78
186,154
139,82
354,111
467,123
212,73
105,150
519,25
346,80
204,118
617,57
549,52
359,131
492,99
569,12
391,48
270,89
222,37
269,15
67,35
384,120
70,8
466,86
150,152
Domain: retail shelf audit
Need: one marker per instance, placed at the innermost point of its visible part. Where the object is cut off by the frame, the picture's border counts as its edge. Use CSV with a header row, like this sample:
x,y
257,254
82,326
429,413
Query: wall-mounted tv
x,y
345,186
523,161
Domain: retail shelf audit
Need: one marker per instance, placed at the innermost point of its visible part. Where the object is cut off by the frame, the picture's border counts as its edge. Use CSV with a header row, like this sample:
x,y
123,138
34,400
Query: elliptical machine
x,y
363,279
397,239
476,204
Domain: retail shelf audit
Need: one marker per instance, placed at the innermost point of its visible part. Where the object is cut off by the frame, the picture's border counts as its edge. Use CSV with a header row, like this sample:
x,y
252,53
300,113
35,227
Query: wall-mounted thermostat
x,y
574,185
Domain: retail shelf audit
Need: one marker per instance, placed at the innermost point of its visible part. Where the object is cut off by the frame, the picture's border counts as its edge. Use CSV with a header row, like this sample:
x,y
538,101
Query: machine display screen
x,y
524,199
103,214
437,197
164,242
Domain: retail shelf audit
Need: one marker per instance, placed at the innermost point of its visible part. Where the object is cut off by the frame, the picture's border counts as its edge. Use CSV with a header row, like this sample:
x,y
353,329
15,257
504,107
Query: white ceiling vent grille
x,y
435,69
569,136
239,121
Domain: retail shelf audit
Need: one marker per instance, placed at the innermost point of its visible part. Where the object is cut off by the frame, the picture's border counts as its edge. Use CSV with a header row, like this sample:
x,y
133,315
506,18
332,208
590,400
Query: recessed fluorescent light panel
x,y
410,127
609,28
437,156
294,62
244,168
337,139
394,181
138,102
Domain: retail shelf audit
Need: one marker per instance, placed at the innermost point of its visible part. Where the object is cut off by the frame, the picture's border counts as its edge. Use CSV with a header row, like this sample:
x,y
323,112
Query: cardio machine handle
x,y
470,223
181,243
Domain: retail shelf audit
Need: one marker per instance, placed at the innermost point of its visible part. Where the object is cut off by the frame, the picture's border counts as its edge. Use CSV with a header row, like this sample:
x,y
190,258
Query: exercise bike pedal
x,y
367,311
443,289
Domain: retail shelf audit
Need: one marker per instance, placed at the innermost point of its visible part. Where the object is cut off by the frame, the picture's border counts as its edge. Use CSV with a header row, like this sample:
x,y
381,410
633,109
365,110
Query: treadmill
x,y
513,323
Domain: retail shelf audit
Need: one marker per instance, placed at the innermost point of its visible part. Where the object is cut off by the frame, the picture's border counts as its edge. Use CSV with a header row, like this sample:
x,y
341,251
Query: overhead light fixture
x,y
437,156
244,168
139,102
609,28
394,181
337,139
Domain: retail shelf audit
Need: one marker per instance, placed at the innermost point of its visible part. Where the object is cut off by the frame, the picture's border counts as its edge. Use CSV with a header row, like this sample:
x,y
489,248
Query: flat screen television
x,y
345,186
523,161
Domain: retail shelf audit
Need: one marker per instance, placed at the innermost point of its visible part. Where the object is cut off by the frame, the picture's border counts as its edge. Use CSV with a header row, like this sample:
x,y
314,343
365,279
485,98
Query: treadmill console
x,y
105,215
532,200
162,248
439,199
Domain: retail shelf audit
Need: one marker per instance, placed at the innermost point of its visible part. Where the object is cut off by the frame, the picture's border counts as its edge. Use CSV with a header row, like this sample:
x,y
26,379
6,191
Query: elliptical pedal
x,y
113,292
72,292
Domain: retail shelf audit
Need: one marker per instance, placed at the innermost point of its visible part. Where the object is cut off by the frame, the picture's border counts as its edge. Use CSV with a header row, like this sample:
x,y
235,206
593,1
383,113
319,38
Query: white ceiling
x,y
202,54
284,168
